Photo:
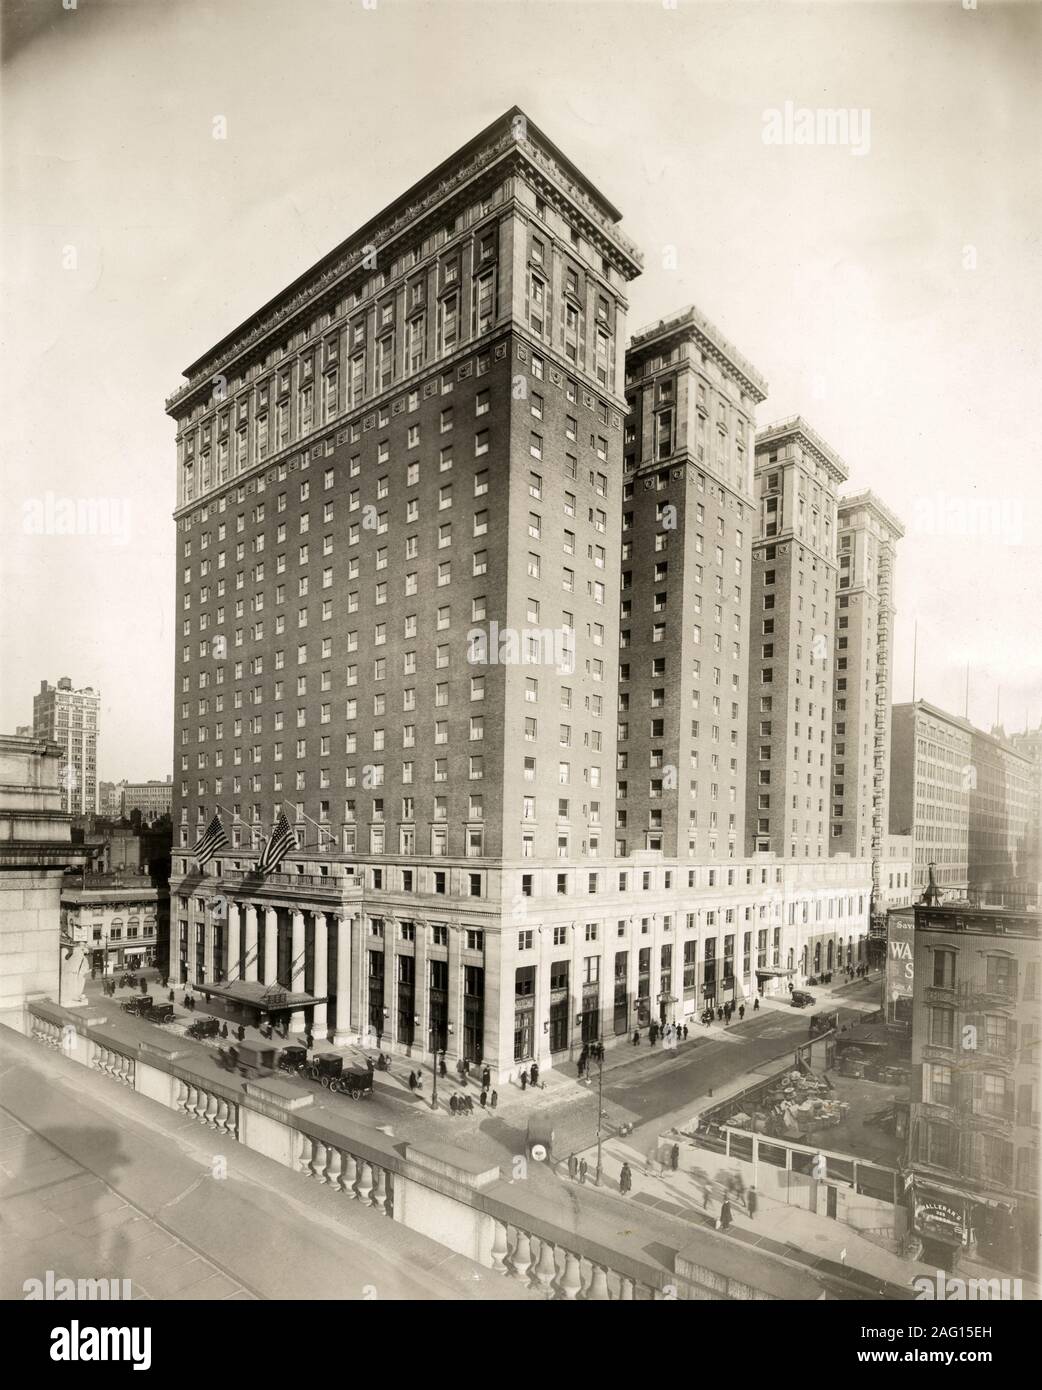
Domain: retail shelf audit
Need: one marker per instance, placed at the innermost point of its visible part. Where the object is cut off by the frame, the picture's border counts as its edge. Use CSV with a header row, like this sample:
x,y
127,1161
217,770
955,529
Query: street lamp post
x,y
600,1106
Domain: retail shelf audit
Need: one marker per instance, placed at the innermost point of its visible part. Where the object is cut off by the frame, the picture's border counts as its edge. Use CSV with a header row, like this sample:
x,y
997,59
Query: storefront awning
x,y
766,972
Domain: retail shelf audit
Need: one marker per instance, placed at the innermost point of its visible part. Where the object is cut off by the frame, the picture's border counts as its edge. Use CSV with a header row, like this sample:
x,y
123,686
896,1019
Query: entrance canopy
x,y
768,972
250,998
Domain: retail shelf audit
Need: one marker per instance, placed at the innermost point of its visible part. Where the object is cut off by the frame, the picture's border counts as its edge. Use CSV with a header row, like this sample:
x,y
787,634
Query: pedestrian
x,y
741,1012
636,1037
493,1099
170,996
442,1069
412,1081
240,1032
653,1035
720,1014
224,1030
573,1167
524,1079
535,1073
486,1078
453,1103
466,1067
484,1097
143,985
725,1218
685,1032
756,1006
584,1168
625,1179
674,1157
750,1202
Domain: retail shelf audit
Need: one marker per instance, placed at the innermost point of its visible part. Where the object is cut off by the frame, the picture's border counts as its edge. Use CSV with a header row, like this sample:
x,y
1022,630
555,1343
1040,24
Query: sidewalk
x,y
776,1226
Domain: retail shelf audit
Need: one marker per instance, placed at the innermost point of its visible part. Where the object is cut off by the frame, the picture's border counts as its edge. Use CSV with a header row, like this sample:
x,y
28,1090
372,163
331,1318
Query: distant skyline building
x,y
70,718
152,798
790,735
1002,855
931,773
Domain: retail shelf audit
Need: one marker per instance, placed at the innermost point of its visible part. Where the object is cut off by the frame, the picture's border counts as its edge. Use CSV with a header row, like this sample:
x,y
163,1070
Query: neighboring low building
x,y
116,917
35,851
975,1116
895,878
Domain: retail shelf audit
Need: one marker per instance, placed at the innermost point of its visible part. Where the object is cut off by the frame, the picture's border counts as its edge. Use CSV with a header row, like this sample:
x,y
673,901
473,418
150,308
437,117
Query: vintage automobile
x,y
203,1028
329,1071
799,999
248,1059
293,1059
160,1013
137,1006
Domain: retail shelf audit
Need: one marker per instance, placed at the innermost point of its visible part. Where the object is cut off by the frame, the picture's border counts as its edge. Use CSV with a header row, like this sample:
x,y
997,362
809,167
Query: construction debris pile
x,y
799,1103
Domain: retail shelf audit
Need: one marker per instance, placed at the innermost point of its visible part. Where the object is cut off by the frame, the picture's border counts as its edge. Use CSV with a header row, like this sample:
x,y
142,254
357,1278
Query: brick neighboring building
x,y
688,517
931,771
973,1145
398,583
791,635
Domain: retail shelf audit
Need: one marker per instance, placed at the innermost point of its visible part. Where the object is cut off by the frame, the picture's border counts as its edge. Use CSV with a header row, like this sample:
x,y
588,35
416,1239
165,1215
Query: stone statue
x,y
73,967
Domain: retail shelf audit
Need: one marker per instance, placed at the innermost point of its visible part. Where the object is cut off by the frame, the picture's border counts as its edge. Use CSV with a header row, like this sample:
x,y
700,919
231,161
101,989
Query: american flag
x,y
210,841
279,845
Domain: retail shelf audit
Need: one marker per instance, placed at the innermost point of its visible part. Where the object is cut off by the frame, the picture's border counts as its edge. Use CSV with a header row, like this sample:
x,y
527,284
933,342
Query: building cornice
x,y
795,427
518,144
692,325
868,499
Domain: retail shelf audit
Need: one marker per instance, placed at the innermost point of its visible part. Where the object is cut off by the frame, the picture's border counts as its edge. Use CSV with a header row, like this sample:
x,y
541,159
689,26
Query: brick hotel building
x,y
401,493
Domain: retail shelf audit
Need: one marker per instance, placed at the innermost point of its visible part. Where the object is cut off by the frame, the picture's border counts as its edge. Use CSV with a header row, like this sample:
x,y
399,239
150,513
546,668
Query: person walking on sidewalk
x,y
625,1179
483,1098
636,1037
726,1217
493,1099
486,1078
524,1079
756,1006
535,1074
674,1157
750,1202
741,1012
584,1168
573,1167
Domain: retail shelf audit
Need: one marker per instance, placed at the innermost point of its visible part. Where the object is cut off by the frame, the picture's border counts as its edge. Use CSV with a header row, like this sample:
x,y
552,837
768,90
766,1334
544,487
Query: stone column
x,y
232,967
193,938
271,946
209,929
250,968
296,967
343,1032
319,1025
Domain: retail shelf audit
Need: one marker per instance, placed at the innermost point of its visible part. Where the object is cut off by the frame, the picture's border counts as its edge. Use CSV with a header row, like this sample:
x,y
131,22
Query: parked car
x,y
159,1013
203,1028
799,999
138,1005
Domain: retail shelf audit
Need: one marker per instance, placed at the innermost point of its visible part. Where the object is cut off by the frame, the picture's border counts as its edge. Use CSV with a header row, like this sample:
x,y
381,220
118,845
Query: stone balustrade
x,y
456,1198
337,1167
115,1064
210,1109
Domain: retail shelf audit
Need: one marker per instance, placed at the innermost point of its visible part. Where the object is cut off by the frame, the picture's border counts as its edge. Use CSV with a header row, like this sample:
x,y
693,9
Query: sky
x,y
888,287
